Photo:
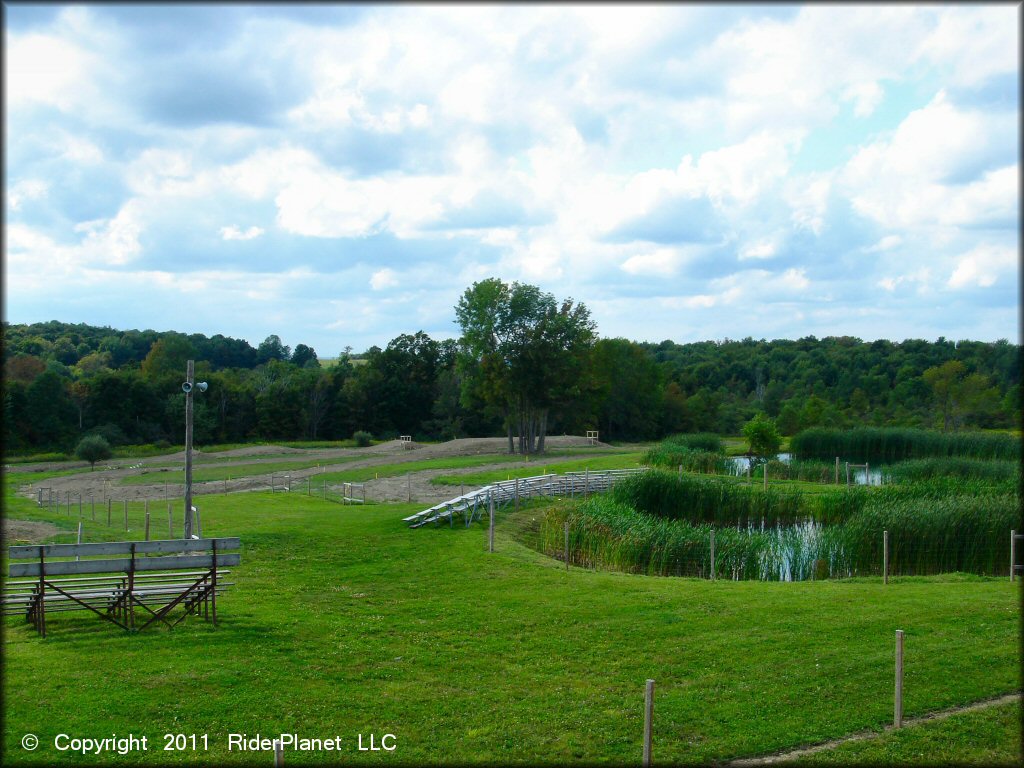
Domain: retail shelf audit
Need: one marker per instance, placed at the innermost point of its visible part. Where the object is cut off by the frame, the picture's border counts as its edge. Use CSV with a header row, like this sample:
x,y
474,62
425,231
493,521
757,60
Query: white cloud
x,y
662,262
383,278
974,43
765,249
983,266
865,96
26,189
887,243
234,233
909,179
44,68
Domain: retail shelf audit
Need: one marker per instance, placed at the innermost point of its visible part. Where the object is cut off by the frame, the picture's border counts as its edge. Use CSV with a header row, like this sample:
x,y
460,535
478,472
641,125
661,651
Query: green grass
x,y
989,737
343,621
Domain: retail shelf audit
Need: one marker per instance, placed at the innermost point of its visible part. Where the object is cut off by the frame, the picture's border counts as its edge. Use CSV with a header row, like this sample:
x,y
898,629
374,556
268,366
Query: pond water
x,y
857,476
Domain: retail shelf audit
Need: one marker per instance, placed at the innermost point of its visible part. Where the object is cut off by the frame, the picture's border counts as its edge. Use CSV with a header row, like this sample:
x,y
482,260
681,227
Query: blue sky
x,y
338,175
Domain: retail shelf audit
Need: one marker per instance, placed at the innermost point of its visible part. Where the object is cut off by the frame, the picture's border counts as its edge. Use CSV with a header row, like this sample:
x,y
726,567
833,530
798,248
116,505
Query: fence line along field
x,y
343,621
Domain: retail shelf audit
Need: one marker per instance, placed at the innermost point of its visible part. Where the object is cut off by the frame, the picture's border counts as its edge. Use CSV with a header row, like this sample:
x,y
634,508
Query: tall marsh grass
x,y
658,523
698,452
890,444
942,468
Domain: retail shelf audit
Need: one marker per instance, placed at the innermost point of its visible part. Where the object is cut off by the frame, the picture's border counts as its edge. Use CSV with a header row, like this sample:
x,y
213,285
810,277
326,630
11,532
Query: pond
x,y
857,476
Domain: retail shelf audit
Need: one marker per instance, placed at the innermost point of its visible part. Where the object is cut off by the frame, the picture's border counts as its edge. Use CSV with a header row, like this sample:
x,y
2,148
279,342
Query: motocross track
x,y
104,482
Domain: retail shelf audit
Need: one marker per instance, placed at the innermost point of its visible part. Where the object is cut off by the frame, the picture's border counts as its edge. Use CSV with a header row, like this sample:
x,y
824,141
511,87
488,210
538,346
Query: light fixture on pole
x,y
188,387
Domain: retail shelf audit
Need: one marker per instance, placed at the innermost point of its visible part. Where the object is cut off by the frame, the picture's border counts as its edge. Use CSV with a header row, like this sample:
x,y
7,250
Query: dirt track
x,y
105,483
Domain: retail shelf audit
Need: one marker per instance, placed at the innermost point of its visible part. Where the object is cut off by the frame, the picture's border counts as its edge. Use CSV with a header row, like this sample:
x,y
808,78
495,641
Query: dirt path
x,y
940,715
106,483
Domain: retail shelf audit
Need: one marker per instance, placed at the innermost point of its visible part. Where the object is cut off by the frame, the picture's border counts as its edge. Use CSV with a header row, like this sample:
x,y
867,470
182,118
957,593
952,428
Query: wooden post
x,y
847,473
408,487
126,514
147,522
885,557
199,525
1013,554
278,754
79,538
648,720
108,511
566,546
490,529
897,719
79,505
712,554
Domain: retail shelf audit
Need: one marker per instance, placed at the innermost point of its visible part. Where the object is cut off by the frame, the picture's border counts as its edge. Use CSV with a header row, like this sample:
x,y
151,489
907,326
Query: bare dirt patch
x,y
104,483
26,531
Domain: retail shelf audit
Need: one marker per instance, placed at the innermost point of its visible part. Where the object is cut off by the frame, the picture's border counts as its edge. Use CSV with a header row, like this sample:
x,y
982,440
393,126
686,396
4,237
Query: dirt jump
x,y
106,481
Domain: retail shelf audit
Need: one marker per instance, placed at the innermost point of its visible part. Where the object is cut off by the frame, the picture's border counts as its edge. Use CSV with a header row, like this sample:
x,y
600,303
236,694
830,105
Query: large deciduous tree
x,y
522,353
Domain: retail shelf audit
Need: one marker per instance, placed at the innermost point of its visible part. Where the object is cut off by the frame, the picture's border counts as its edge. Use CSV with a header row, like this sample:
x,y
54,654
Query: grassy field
x,y
344,622
989,737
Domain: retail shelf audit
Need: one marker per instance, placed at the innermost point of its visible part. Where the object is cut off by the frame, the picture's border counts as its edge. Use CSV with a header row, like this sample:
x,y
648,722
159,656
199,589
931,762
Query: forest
x,y
538,368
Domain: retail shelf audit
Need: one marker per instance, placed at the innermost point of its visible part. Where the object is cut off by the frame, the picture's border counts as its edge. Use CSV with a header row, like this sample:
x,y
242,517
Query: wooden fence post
x,y
408,487
79,538
79,505
147,522
712,554
278,754
490,529
885,557
897,719
648,720
1013,554
126,514
566,546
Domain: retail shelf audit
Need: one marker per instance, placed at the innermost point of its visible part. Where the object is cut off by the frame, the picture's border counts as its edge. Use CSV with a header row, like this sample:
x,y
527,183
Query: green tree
x,y
522,353
762,436
93,448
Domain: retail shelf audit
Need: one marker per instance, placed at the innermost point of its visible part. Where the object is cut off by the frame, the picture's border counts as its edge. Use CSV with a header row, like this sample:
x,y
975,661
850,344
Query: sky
x,y
340,174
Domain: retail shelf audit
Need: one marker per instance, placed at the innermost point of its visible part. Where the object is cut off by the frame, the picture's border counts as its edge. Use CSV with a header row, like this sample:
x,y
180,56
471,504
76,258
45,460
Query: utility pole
x,y
188,386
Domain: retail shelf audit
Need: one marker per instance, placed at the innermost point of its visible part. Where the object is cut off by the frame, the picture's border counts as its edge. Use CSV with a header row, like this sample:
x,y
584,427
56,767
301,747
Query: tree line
x,y
525,365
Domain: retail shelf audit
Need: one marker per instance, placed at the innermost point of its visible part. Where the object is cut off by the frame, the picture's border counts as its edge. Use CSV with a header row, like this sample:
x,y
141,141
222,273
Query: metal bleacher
x,y
474,503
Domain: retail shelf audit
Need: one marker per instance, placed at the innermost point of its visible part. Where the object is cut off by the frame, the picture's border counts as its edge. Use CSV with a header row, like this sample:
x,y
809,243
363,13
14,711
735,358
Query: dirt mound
x,y
26,531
